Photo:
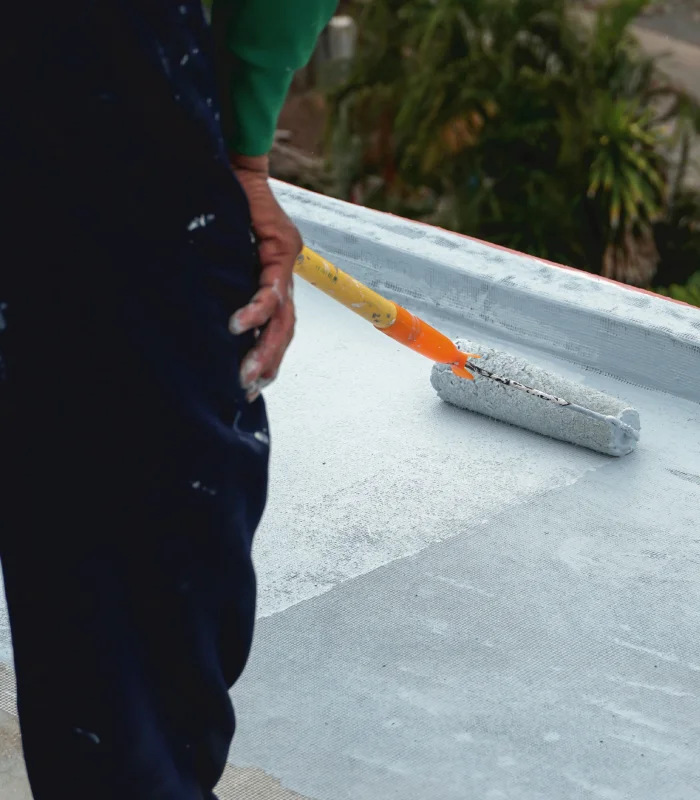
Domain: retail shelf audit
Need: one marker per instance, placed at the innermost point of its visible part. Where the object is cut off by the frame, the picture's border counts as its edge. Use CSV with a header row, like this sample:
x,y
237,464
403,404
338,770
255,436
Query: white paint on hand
x,y
235,325
277,291
251,364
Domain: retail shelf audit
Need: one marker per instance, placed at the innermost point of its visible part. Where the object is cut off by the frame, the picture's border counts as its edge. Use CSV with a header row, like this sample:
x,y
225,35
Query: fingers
x,y
257,313
260,366
276,284
271,309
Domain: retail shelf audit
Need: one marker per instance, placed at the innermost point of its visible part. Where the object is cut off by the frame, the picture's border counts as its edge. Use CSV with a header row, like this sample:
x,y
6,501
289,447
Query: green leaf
x,y
629,204
644,166
615,207
608,173
690,293
642,192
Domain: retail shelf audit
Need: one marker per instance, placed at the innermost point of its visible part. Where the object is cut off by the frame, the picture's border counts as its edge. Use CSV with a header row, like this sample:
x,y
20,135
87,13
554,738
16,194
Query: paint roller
x,y
500,385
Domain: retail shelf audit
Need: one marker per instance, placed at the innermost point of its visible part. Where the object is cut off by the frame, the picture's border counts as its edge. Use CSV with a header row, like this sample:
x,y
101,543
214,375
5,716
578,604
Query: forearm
x,y
261,44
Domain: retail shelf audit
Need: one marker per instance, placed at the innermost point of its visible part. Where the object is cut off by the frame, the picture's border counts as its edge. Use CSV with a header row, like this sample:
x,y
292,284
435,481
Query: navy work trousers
x,y
134,472
133,477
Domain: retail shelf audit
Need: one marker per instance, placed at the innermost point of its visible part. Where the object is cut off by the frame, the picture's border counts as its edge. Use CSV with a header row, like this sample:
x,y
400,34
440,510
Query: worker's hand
x,y
272,307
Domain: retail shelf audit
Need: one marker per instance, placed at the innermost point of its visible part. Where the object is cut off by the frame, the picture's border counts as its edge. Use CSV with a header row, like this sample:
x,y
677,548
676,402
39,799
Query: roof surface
x,y
455,609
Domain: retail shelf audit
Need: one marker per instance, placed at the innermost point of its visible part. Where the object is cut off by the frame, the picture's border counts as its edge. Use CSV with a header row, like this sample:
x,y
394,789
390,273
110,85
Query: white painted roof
x,y
454,609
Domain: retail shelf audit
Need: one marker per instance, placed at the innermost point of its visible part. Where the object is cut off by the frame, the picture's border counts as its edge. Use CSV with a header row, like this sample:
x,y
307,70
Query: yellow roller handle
x,y
345,289
387,316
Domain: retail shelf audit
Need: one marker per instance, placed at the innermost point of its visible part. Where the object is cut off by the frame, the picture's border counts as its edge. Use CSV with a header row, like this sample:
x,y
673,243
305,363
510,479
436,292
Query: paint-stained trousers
x,y
134,474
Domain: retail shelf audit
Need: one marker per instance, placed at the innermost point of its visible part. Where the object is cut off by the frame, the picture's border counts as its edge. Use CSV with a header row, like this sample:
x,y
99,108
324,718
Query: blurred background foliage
x,y
523,123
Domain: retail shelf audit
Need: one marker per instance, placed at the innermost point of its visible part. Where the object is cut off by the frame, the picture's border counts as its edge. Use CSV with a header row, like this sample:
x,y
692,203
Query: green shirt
x,y
260,45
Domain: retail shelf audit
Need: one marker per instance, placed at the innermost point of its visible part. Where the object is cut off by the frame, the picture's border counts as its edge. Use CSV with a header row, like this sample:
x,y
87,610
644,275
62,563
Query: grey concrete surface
x,y
13,777
680,60
681,20
675,35
480,612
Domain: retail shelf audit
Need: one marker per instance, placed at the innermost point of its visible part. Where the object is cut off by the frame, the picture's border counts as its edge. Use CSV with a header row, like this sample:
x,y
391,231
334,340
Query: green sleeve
x,y
261,44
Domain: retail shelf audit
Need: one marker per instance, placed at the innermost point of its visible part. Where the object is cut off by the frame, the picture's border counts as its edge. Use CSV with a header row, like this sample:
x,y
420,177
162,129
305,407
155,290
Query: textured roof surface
x,y
452,608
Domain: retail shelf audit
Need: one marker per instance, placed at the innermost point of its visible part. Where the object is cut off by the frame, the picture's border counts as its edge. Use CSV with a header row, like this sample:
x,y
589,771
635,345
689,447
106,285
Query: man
x,y
145,300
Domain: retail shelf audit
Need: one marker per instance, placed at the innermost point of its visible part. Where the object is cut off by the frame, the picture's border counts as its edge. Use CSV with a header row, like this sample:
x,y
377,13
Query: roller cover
x,y
612,429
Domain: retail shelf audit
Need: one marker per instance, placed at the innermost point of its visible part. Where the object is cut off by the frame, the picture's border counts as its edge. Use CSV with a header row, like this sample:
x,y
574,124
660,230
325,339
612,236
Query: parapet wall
x,y
634,335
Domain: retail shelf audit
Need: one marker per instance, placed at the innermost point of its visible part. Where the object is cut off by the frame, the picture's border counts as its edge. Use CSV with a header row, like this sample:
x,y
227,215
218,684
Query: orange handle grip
x,y
412,332
386,316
